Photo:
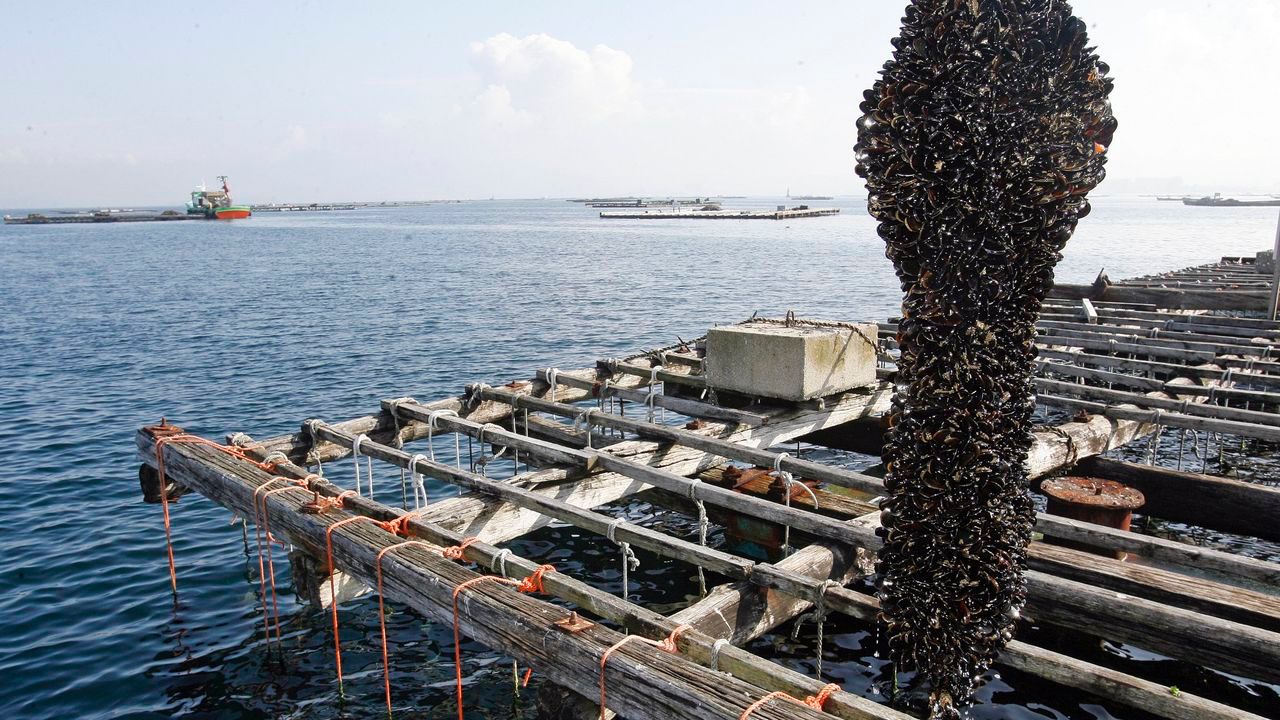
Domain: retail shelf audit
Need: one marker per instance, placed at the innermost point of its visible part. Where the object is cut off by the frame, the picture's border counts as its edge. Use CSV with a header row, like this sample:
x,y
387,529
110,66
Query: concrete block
x,y
790,362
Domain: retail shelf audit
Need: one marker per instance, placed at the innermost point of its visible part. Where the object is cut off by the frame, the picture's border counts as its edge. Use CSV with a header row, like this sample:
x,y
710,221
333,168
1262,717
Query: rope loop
x,y
553,375
474,394
667,645
455,552
499,563
533,583
715,652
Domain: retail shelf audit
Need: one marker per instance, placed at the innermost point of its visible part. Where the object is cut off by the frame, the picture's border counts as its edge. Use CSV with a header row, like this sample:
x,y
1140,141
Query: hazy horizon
x,y
316,102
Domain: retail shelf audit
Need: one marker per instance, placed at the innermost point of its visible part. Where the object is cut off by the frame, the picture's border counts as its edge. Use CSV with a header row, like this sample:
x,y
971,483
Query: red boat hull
x,y
232,213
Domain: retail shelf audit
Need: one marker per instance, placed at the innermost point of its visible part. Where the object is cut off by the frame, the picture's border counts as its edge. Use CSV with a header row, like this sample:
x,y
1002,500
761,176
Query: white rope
x,y
653,392
355,459
419,487
788,481
499,564
629,559
483,462
315,445
820,619
432,418
585,419
1153,446
715,652
552,375
702,530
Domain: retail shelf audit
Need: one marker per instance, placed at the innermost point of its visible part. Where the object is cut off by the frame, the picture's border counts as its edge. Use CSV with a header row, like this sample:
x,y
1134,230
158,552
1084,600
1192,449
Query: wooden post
x,y
1274,293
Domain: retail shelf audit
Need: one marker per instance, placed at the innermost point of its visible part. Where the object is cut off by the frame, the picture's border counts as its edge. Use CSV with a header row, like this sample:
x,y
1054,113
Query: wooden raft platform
x,y
719,214
1129,371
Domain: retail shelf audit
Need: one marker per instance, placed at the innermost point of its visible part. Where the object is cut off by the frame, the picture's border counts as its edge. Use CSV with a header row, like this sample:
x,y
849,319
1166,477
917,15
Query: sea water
x,y
256,325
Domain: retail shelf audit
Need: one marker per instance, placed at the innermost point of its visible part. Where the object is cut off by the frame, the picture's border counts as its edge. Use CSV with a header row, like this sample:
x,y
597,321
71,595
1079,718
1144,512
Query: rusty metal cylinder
x,y
1092,500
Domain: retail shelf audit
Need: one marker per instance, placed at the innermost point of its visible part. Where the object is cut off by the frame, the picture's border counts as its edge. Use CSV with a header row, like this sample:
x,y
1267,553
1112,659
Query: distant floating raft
x,y
679,214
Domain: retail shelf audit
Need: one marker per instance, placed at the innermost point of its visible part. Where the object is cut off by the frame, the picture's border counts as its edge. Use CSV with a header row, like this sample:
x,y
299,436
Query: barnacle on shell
x,y
987,128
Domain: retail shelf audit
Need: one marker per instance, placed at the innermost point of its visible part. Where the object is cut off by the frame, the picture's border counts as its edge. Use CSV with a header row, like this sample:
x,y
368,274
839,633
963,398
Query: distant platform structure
x,y
101,216
310,207
781,213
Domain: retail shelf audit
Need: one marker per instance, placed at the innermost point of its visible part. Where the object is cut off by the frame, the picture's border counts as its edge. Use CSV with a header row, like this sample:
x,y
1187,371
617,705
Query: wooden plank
x,y
1240,605
1151,367
1169,419
1229,419
1197,342
1213,502
1171,298
692,408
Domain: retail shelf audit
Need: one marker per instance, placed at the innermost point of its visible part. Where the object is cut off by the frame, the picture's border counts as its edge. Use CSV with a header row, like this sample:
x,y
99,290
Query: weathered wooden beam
x,y
1152,384
697,441
1169,419
1172,298
1049,331
1086,359
1192,319
1220,418
1212,502
692,408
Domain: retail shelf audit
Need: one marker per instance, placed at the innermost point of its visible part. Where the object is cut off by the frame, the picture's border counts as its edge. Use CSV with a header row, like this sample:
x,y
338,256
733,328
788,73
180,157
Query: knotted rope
x,y
788,482
702,529
667,645
817,702
531,584
629,559
420,499
653,392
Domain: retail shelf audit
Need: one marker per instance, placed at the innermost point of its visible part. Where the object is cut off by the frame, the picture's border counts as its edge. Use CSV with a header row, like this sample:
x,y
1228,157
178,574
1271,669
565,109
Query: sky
x,y
131,103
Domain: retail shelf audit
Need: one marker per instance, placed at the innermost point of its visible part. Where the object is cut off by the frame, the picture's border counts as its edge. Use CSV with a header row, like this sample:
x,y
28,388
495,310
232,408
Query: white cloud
x,y
541,77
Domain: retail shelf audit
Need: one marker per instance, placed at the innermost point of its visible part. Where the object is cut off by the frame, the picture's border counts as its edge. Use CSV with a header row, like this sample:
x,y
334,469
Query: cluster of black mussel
x,y
978,143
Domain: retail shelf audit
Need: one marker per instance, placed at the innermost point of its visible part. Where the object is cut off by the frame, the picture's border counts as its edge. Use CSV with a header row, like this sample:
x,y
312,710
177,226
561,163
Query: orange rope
x,y
667,644
189,439
457,634
814,701
333,593
262,567
455,552
533,583
325,504
382,614
271,565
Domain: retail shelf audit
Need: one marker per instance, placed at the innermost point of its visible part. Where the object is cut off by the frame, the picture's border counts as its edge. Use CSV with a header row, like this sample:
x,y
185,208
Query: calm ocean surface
x,y
255,325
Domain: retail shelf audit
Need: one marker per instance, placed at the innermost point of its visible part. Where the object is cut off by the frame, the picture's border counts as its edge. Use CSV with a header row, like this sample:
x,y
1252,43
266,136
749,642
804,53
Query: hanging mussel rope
x,y
978,144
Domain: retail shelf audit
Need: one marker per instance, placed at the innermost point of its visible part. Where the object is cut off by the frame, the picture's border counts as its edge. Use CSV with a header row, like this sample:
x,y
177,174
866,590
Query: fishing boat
x,y
1218,201
216,204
